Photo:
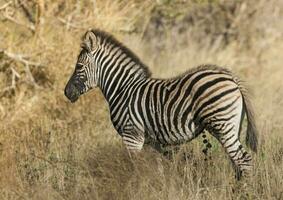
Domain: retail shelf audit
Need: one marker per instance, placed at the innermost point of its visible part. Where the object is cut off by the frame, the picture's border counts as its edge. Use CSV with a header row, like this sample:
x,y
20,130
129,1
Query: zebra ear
x,y
90,42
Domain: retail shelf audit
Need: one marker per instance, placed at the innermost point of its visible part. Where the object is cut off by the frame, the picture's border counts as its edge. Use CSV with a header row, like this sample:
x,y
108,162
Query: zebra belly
x,y
169,133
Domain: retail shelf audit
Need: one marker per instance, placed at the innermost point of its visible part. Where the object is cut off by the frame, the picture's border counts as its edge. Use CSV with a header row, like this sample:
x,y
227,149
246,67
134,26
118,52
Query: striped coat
x,y
164,111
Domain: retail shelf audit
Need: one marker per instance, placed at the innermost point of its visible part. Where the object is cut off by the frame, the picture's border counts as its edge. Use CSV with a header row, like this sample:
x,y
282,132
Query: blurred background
x,y
52,149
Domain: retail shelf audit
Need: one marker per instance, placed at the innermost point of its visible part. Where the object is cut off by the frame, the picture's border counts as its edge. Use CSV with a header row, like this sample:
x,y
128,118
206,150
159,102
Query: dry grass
x,y
51,149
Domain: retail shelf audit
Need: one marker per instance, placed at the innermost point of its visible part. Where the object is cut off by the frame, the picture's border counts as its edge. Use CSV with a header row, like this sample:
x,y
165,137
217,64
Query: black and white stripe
x,y
170,111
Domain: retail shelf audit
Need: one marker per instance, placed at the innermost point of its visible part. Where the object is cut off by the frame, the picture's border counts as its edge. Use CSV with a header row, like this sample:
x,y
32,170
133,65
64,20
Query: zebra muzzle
x,y
72,93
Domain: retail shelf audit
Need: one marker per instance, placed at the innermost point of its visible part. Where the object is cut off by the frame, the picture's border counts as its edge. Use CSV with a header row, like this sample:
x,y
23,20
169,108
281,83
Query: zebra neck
x,y
118,69
118,82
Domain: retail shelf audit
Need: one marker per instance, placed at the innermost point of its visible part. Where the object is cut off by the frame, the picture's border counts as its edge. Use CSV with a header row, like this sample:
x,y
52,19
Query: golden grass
x,y
52,149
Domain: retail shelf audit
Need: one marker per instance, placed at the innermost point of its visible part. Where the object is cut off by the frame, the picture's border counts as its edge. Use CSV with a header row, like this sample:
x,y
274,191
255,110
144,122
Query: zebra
x,y
147,110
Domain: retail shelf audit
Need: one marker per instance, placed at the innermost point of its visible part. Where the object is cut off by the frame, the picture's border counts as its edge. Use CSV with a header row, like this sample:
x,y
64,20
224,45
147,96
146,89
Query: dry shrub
x,y
214,25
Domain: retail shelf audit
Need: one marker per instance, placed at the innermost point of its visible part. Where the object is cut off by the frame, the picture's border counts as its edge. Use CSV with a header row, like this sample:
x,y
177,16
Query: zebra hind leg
x,y
228,136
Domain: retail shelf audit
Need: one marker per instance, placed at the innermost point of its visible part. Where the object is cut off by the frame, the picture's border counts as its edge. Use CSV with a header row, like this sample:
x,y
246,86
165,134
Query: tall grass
x,y
51,149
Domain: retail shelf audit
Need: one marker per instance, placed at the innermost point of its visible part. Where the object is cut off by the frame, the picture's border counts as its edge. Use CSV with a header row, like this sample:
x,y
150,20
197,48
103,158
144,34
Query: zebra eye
x,y
79,66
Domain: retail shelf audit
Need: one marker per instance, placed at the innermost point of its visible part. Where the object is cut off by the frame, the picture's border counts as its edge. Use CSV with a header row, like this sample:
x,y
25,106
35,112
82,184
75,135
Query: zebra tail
x,y
252,132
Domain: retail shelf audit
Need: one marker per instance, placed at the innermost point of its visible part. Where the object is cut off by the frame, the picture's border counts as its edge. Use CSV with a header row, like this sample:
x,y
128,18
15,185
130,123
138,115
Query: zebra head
x,y
84,77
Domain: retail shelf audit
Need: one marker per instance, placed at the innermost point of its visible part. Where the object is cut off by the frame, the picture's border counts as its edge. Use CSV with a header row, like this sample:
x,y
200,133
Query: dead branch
x,y
10,18
5,5
21,58
69,23
30,76
39,15
15,75
26,11
2,110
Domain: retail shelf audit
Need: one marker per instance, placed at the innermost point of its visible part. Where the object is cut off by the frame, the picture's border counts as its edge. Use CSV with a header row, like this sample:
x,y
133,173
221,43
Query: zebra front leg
x,y
133,143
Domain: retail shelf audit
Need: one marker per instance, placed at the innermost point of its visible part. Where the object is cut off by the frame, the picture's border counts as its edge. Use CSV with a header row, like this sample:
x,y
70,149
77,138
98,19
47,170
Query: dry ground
x,y
52,149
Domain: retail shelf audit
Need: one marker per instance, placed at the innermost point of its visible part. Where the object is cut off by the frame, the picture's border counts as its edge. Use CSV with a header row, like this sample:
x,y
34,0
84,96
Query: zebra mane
x,y
111,39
